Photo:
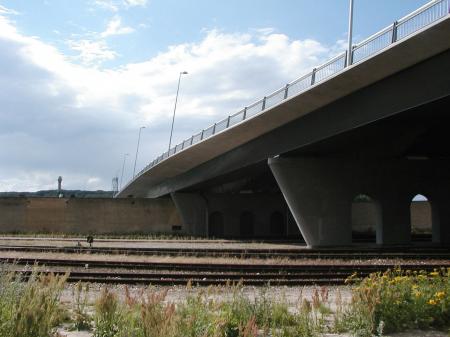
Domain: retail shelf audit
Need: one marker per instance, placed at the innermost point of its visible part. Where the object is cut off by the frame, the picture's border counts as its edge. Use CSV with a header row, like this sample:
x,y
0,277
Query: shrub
x,y
400,300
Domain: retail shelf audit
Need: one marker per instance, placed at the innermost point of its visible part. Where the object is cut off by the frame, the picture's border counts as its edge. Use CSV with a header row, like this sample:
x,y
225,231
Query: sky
x,y
78,78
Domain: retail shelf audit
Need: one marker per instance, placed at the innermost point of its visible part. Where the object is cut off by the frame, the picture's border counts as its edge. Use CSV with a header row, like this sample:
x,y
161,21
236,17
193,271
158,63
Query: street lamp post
x,y
123,168
175,108
350,34
137,149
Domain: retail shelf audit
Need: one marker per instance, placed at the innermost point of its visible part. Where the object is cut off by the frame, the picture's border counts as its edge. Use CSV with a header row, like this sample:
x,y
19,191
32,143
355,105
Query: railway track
x,y
294,253
163,273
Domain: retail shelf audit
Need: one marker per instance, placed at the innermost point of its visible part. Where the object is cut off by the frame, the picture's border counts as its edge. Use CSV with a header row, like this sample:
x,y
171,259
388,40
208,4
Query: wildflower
x,y
398,279
434,273
439,295
432,302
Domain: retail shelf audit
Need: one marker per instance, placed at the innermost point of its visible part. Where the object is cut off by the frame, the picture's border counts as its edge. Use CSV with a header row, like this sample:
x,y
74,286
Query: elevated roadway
x,y
379,121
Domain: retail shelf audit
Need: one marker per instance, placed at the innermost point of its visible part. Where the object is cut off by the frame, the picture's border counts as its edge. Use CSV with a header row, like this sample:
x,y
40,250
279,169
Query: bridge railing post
x,y
228,122
192,139
394,32
313,76
201,137
263,103
244,115
214,129
286,91
352,53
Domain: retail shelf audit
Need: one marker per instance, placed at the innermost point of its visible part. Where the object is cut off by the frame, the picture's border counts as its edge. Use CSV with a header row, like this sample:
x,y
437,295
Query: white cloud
x,y
116,5
7,11
106,4
92,52
93,49
115,27
58,117
132,3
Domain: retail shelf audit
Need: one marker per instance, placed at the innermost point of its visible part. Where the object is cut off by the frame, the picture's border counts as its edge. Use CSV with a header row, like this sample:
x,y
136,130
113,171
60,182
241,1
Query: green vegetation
x,y
399,300
387,302
30,308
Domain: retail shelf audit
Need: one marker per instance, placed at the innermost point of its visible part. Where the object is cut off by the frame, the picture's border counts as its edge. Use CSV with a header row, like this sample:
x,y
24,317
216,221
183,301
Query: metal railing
x,y
401,29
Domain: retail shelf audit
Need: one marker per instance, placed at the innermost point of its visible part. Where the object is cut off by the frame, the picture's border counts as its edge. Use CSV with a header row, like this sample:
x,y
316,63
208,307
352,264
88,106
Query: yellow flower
x,y
439,295
432,302
434,273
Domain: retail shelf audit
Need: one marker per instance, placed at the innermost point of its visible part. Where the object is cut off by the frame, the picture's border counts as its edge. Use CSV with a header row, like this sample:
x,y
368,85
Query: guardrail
x,y
400,29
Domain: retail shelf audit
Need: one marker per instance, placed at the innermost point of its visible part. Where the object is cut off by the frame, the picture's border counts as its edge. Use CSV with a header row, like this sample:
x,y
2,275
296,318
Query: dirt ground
x,y
186,244
218,260
176,294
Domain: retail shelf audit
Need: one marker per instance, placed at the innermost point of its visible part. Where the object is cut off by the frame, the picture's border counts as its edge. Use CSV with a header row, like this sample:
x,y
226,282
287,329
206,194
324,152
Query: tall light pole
x,y
123,168
350,34
175,108
137,149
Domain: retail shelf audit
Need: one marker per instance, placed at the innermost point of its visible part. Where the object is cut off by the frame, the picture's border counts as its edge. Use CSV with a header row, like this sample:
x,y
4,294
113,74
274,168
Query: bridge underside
x,y
390,160
387,141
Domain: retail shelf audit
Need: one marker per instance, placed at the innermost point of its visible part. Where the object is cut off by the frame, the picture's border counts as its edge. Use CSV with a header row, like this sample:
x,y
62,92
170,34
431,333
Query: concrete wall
x,y
236,215
159,215
364,217
261,206
421,218
89,215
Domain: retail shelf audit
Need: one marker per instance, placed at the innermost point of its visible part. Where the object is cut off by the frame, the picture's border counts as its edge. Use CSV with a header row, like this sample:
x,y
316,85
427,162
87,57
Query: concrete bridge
x,y
375,127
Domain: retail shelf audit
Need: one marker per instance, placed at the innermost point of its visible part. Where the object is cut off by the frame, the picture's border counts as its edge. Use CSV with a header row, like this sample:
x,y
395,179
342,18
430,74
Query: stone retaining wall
x,y
89,215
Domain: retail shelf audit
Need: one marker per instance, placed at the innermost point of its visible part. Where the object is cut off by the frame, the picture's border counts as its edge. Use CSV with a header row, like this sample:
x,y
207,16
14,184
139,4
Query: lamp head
x,y
184,73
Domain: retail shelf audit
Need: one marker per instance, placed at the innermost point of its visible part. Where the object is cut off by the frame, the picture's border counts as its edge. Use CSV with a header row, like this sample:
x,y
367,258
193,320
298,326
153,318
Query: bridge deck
x,y
417,47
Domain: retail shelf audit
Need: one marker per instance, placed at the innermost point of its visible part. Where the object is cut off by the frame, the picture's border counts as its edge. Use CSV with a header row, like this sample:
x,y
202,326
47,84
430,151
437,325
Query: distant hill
x,y
54,194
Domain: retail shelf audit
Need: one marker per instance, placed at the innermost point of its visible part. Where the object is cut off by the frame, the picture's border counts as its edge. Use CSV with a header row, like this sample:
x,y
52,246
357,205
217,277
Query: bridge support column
x,y
318,199
395,228
441,217
193,209
319,192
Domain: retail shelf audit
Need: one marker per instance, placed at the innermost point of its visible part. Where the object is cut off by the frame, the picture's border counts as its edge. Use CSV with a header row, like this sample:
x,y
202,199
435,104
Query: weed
x,y
399,300
81,318
108,317
30,308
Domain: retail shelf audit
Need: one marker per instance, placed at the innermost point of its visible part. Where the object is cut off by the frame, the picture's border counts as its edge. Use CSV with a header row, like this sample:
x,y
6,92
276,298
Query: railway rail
x,y
166,273
413,252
